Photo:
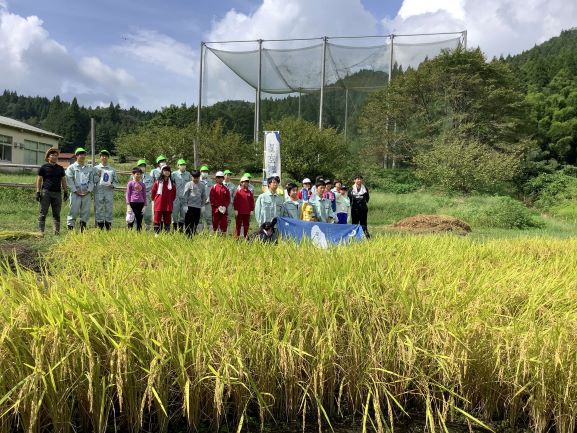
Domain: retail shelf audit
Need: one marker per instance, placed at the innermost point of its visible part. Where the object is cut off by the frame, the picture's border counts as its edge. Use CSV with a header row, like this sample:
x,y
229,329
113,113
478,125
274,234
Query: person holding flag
x,y
269,204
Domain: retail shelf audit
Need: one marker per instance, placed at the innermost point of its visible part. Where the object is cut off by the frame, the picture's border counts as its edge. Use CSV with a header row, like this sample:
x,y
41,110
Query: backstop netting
x,y
339,71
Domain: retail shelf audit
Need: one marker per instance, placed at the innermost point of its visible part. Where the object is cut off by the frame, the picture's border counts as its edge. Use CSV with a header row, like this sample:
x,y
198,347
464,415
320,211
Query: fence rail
x,y
33,186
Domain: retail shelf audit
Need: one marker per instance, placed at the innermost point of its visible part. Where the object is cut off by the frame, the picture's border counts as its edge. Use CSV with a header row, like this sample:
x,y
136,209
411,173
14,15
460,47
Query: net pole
x,y
391,59
196,140
346,111
258,92
299,105
465,39
323,65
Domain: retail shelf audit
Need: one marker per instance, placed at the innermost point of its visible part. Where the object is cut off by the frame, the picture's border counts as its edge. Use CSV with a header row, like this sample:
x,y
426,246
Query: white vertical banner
x,y
272,165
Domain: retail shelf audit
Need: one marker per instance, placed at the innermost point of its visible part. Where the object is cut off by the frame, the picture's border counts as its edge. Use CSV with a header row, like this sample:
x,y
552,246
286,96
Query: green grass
x,y
488,216
212,331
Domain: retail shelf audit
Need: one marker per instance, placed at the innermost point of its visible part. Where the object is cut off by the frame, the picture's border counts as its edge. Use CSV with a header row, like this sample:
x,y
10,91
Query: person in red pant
x,y
163,194
243,204
219,198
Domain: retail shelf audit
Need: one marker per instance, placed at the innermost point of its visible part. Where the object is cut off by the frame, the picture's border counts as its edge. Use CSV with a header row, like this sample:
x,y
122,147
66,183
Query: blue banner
x,y
321,234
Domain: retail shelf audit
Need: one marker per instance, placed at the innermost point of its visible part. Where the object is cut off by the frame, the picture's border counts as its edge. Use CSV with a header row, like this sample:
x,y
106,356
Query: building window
x,y
5,148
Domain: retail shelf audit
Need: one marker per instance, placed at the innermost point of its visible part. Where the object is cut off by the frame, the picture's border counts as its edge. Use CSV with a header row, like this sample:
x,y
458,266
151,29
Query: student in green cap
x,y
180,177
250,186
105,180
206,213
148,182
80,184
160,162
232,190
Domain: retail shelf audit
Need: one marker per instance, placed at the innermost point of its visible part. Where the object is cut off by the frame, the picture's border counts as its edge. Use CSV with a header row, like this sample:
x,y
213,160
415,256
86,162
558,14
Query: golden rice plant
x,y
133,332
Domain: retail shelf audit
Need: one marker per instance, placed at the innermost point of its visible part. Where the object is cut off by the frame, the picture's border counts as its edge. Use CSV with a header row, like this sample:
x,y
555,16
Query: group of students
x,y
190,201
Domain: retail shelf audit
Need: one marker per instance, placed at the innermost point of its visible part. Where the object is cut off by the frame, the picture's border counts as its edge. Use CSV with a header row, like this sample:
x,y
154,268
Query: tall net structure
x,y
324,79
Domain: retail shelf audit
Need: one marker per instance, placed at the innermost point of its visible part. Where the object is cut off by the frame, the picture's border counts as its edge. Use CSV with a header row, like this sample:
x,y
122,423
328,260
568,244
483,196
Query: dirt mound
x,y
433,224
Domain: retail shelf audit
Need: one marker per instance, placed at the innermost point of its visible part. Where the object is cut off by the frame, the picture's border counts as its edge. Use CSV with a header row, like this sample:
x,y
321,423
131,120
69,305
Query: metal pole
x,y
258,91
322,82
196,141
299,105
391,59
92,139
346,111
465,39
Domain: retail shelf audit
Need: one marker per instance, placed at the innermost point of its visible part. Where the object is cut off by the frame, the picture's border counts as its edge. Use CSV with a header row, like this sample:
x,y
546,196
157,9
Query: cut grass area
x,y
128,330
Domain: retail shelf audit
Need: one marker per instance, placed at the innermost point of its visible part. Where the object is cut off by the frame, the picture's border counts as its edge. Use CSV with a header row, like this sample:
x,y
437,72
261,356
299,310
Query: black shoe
x,y
70,227
108,225
100,226
82,226
181,227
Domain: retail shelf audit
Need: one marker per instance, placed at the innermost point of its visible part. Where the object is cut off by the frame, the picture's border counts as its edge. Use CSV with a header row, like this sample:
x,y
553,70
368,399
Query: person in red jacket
x,y
243,204
163,194
219,197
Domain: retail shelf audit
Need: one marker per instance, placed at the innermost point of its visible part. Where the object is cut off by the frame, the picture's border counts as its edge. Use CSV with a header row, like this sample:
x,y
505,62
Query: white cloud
x,y
158,49
93,68
497,26
35,64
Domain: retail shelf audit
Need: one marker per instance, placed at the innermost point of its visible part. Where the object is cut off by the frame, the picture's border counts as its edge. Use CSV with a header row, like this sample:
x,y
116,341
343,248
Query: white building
x,y
21,143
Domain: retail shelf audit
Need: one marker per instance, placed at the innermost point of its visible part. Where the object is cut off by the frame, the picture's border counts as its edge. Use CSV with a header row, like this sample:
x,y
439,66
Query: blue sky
x,y
146,52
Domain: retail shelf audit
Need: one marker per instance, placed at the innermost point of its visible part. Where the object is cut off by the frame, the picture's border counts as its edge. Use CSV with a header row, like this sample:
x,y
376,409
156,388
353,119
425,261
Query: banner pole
x,y
196,141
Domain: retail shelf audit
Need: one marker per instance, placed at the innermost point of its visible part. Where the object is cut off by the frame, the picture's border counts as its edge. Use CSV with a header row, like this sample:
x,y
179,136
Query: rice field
x,y
129,332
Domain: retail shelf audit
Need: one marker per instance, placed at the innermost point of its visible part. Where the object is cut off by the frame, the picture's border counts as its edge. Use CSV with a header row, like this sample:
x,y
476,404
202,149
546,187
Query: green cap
x,y
79,150
160,158
105,152
181,162
247,175
141,162
227,172
204,168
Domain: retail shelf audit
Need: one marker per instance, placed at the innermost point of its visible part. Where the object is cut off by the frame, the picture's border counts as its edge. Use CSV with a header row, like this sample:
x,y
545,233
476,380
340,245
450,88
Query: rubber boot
x,y
107,225
82,226
100,225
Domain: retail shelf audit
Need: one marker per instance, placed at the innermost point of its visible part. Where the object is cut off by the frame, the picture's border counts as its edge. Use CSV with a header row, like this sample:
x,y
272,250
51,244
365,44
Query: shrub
x,y
551,189
457,165
496,212
398,181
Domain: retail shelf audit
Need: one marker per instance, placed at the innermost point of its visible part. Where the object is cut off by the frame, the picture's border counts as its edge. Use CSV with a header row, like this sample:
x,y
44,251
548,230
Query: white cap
x,y
244,179
306,180
219,174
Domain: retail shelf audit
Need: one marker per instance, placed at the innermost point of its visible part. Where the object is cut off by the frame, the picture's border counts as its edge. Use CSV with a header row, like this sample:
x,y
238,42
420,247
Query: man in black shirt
x,y
50,183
